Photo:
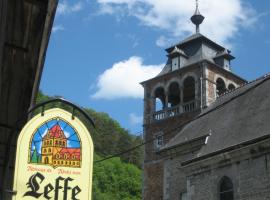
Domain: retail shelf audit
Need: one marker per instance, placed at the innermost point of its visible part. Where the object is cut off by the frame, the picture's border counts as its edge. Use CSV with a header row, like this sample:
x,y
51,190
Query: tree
x,y
35,158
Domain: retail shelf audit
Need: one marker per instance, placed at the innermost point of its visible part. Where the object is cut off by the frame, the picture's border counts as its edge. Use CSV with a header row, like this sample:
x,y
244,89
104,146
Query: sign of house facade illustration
x,y
59,159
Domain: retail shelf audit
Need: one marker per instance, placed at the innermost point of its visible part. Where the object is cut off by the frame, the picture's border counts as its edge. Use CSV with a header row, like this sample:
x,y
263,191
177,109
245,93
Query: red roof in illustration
x,y
71,152
56,132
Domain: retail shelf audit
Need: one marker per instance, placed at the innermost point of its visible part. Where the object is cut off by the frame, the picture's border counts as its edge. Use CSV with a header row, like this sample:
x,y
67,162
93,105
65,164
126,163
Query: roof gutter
x,y
183,143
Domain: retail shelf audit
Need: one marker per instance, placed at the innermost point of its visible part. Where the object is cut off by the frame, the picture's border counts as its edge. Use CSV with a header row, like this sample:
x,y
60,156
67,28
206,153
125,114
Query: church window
x,y
221,87
49,150
174,95
159,141
189,89
160,98
231,86
45,151
226,189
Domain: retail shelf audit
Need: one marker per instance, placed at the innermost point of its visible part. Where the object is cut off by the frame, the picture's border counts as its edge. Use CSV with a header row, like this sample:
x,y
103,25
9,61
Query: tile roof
x,y
55,132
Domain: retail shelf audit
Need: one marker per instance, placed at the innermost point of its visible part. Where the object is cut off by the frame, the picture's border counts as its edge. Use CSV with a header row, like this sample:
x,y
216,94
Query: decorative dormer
x,y
223,59
178,58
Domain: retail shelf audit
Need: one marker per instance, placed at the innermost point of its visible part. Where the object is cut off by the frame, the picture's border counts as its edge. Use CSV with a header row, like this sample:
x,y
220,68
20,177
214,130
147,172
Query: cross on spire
x,y
197,18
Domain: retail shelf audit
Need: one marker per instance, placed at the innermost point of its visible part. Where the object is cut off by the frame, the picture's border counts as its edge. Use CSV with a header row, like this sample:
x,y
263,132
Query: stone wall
x,y
154,161
249,172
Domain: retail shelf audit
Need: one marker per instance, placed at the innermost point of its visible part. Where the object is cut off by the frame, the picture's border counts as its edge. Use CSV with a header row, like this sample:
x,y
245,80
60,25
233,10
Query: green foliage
x,y
108,136
114,179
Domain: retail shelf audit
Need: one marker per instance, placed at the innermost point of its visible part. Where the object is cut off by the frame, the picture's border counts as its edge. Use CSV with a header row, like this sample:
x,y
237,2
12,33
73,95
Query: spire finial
x,y
197,18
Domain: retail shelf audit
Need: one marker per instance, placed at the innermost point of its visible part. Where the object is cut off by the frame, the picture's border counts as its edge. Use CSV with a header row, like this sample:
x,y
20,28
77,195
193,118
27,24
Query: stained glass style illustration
x,y
55,143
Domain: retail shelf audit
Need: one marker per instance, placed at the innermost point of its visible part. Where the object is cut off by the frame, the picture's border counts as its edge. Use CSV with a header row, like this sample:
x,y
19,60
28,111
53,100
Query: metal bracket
x,y
74,107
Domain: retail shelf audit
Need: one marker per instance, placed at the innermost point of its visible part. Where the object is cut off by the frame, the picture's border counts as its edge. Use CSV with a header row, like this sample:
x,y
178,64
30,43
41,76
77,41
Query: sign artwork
x,y
54,158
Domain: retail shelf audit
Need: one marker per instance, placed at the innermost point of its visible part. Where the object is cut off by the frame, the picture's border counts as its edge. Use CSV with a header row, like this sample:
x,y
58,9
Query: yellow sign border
x,y
23,147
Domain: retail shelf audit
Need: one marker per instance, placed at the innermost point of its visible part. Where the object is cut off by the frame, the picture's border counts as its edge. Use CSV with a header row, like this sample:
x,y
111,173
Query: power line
x,y
136,147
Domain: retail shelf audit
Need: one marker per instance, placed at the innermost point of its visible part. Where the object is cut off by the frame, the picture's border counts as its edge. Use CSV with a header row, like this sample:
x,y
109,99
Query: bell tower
x,y
197,72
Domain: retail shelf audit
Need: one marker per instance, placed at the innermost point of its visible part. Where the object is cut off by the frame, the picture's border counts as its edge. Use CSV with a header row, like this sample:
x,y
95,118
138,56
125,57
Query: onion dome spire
x,y
197,18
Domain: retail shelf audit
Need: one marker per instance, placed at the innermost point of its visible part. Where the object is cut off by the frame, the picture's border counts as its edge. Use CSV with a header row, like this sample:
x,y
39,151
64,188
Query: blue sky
x,y
100,50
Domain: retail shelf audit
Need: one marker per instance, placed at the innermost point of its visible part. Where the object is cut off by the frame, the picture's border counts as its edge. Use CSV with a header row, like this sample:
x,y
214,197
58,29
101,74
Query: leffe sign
x,y
54,158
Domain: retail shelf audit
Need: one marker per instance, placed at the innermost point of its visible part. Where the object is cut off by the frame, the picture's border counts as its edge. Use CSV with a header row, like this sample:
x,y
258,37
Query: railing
x,y
189,107
174,111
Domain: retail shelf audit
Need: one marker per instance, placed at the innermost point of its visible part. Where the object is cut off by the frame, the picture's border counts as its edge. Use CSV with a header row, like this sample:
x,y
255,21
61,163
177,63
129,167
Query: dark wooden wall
x,y
25,27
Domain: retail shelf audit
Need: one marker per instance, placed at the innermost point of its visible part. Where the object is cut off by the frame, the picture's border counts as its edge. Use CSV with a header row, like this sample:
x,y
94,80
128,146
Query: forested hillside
x,y
118,178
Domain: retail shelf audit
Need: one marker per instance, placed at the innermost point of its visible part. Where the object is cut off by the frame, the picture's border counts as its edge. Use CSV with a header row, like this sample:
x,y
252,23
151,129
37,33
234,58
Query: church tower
x,y
197,72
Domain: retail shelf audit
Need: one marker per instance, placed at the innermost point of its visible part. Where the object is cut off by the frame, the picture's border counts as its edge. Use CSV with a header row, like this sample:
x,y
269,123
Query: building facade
x,y
201,140
55,150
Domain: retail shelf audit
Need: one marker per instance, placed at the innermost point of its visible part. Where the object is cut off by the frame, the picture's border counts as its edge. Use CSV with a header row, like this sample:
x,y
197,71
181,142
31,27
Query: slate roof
x,y
236,117
225,54
195,37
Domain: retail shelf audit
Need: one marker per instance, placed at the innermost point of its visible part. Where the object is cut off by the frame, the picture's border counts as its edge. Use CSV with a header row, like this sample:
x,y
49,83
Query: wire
x,y
137,146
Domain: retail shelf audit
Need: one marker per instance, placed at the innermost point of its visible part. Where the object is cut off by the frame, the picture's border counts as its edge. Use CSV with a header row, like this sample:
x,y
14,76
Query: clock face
x,y
175,63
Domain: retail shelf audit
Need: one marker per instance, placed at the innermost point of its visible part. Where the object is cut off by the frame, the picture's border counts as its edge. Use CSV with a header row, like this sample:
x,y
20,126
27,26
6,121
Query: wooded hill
x,y
118,178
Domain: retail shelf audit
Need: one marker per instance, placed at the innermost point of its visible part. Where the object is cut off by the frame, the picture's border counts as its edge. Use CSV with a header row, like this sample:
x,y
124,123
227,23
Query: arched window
x,y
231,86
189,89
160,98
221,87
226,189
174,95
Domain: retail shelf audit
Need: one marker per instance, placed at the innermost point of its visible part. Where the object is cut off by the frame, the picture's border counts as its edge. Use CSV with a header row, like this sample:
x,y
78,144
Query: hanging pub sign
x,y
54,158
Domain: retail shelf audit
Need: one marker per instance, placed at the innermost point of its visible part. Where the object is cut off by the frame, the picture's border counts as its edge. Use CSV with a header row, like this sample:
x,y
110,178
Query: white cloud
x,y
223,19
134,119
65,8
44,133
163,41
123,78
57,28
